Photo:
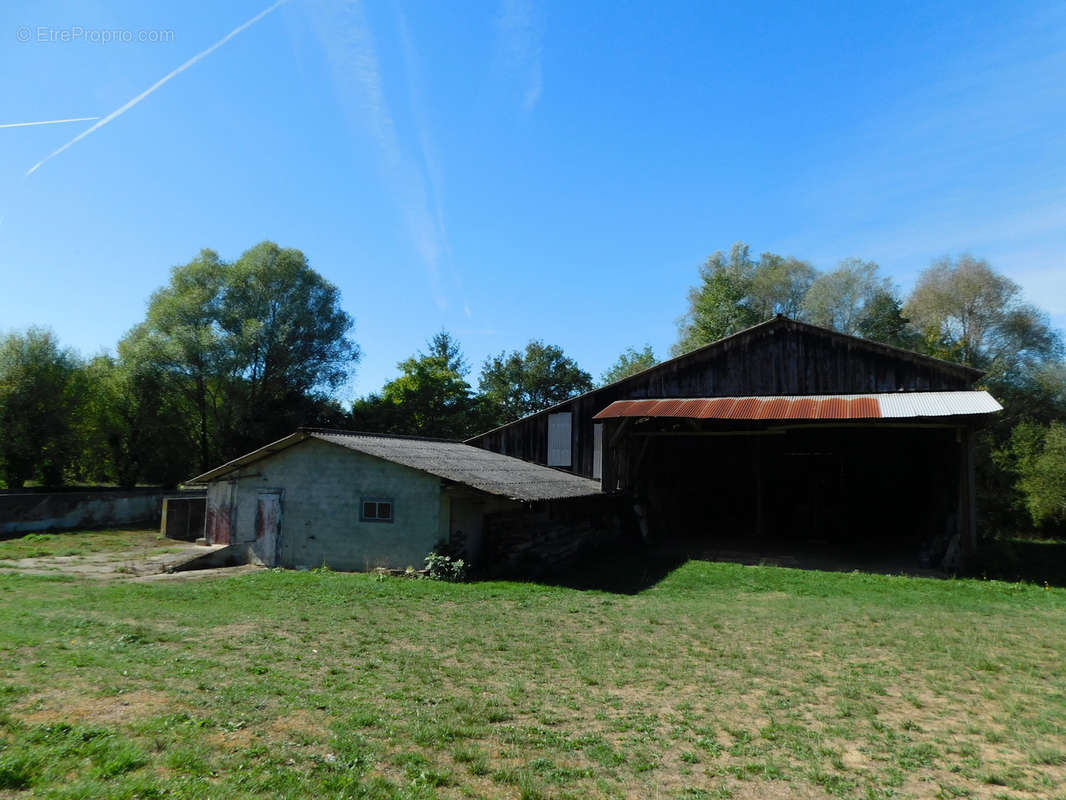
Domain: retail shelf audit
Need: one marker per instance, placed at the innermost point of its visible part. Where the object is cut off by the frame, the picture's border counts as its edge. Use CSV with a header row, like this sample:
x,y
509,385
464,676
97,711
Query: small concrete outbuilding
x,y
356,501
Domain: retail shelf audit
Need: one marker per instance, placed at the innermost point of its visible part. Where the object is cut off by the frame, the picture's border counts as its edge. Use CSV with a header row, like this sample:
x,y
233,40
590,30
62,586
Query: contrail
x,y
130,104
46,122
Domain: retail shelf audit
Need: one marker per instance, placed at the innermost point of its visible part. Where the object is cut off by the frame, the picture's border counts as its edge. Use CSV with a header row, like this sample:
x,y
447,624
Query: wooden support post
x,y
757,452
967,513
615,455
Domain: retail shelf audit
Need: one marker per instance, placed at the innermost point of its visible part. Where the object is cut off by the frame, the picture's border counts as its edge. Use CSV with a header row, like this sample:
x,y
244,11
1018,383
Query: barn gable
x,y
778,357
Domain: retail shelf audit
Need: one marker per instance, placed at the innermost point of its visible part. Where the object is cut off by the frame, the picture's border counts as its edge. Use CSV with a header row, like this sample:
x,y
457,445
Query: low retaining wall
x,y
545,539
33,511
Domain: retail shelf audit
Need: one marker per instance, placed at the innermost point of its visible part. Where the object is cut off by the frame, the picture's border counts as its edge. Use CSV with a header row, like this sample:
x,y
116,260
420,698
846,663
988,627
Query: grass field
x,y
718,681
79,543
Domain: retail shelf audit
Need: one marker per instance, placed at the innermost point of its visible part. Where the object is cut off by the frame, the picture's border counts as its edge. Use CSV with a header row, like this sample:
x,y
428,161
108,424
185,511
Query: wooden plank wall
x,y
784,358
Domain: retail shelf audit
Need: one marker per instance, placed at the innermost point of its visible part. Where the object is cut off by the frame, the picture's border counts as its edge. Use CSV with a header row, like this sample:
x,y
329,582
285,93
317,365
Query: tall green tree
x,y
967,310
518,383
736,291
255,347
431,397
40,394
182,338
629,363
837,299
778,285
289,341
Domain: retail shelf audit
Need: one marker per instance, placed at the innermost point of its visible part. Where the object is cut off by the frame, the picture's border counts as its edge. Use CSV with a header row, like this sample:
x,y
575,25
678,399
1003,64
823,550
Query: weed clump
x,y
442,567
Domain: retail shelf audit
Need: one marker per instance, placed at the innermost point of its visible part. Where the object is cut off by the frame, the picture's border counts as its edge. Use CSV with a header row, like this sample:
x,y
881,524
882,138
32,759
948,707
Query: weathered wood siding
x,y
549,537
781,357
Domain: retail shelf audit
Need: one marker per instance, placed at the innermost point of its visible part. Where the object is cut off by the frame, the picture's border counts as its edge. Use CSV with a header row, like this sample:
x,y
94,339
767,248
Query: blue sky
x,y
521,169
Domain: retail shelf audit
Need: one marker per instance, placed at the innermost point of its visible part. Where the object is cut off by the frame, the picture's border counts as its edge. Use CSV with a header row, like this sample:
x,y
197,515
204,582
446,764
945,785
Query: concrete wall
x,y
321,488
28,512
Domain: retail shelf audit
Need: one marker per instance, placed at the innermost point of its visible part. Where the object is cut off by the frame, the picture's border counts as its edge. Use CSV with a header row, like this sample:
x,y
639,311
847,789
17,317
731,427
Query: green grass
x,y
1018,558
718,681
77,543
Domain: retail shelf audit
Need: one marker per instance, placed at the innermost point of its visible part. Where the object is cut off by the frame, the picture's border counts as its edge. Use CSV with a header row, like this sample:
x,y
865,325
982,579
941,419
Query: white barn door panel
x,y
597,450
559,439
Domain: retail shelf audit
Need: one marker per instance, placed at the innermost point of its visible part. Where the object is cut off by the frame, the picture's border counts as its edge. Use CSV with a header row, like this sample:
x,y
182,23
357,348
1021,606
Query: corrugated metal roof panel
x,y
669,408
864,408
775,408
803,408
937,404
900,405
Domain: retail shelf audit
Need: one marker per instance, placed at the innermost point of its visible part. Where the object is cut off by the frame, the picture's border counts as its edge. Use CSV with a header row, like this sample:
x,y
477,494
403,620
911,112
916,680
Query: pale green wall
x,y
322,486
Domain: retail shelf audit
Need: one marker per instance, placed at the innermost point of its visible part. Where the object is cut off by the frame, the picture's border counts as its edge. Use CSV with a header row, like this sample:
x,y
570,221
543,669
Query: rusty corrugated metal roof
x,y
776,322
898,405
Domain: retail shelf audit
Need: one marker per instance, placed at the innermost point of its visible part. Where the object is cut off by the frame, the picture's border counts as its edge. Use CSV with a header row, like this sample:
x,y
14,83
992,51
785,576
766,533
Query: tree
x,y
135,427
430,398
255,347
629,363
520,383
838,299
183,339
778,285
736,292
39,399
882,321
967,310
1038,454
289,340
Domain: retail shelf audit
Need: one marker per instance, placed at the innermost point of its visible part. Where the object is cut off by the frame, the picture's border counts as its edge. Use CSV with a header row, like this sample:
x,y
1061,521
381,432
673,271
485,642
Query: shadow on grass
x,y
629,570
1034,560
635,567
632,568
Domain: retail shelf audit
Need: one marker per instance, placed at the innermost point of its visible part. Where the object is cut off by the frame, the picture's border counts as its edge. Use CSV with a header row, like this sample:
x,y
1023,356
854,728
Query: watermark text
x,y
69,34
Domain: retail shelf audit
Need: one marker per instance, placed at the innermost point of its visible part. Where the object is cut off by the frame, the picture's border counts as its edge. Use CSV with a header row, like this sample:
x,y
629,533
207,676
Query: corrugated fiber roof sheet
x,y
462,463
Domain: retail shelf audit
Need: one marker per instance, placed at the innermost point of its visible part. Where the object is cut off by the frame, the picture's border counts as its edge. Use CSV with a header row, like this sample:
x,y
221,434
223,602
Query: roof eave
x,y
248,458
887,349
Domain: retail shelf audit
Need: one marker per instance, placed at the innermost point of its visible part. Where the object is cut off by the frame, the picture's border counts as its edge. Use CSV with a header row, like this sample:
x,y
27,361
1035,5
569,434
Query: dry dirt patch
x,y
143,563
110,710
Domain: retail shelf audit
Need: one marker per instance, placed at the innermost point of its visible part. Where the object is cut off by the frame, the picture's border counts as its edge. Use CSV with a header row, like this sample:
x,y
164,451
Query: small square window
x,y
376,510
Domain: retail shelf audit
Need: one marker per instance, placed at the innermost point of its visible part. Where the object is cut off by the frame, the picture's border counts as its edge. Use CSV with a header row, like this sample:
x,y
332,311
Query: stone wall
x,y
33,511
545,538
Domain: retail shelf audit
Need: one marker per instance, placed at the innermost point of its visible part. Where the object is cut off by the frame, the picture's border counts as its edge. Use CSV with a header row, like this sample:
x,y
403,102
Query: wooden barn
x,y
786,431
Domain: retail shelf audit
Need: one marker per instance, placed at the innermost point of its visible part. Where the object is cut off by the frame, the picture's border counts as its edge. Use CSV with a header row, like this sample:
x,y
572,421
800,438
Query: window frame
x,y
377,501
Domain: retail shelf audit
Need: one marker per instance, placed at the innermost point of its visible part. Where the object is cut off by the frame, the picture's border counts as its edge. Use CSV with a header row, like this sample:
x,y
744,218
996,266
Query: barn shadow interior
x,y
848,497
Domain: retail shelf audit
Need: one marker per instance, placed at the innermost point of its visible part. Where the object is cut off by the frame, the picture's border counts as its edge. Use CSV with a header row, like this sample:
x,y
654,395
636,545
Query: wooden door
x,y
268,526
221,512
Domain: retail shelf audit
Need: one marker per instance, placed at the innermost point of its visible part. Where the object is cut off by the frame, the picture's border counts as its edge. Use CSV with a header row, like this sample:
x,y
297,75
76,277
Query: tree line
x,y
232,355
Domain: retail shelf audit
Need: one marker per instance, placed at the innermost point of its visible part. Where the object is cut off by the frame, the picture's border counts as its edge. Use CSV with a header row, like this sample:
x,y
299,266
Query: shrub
x,y
445,568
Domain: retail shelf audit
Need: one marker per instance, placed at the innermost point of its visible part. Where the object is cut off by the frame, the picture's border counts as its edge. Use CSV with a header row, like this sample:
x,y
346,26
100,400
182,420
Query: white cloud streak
x,y
519,37
46,122
173,74
349,44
